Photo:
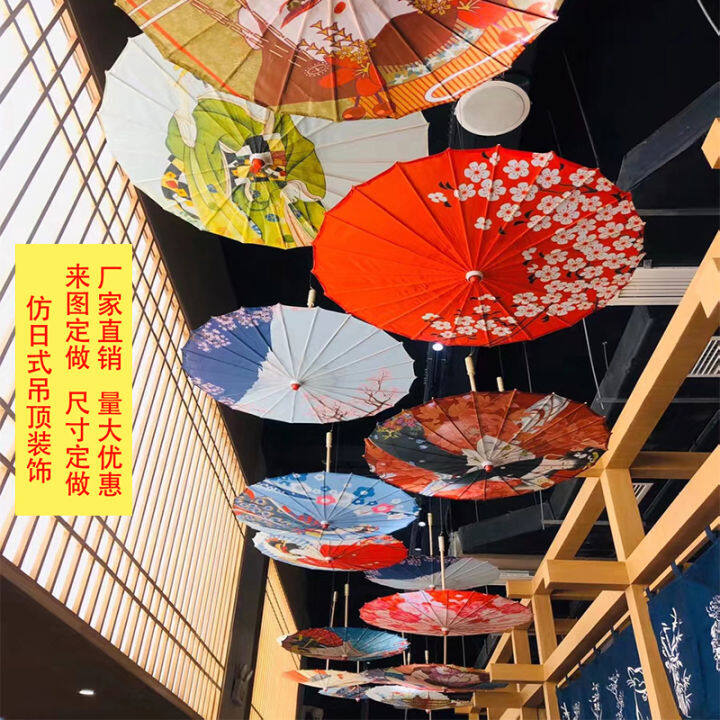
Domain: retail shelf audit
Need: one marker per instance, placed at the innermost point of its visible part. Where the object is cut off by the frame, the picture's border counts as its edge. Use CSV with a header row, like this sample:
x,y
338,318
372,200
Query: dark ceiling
x,y
602,79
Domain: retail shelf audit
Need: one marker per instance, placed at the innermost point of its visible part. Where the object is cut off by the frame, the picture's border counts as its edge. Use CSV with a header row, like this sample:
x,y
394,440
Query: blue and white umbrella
x,y
422,572
334,507
344,643
296,364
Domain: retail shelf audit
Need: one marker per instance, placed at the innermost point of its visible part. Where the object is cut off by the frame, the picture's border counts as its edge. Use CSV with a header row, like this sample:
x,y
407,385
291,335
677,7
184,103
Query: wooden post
x,y
311,298
660,697
546,642
521,655
627,531
622,509
441,546
500,384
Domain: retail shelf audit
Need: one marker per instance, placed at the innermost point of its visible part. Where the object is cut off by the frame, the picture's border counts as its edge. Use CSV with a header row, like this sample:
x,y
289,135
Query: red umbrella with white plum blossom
x,y
479,247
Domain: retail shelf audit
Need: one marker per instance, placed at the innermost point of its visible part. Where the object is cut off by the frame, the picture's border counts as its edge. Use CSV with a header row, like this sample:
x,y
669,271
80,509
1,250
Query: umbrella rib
x,y
460,203
345,320
308,335
442,232
434,248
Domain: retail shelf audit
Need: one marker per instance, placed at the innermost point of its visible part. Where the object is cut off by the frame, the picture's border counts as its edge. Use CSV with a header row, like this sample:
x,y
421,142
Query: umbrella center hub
x,y
324,524
473,275
295,385
488,467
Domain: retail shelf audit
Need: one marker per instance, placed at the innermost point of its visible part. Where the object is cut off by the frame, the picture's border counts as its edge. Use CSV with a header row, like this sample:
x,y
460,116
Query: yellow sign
x,y
73,375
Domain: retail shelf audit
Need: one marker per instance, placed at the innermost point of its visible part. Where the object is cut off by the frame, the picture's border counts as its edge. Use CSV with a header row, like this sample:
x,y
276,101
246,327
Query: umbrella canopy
x,y
445,612
479,247
326,679
232,167
334,507
422,572
373,552
298,364
403,697
343,60
434,676
351,692
486,445
344,643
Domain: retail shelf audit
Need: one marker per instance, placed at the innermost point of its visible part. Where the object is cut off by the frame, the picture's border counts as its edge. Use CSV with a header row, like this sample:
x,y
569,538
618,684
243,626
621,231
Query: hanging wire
x,y
554,132
477,512
527,366
708,18
582,112
500,362
592,363
462,640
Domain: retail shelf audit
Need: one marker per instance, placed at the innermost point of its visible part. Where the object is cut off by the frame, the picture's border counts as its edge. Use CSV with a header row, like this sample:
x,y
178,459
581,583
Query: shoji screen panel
x,y
159,585
274,697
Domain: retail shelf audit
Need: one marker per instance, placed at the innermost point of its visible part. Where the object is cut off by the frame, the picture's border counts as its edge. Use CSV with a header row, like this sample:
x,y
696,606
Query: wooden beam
x,y
695,506
711,145
516,672
687,334
580,518
622,510
658,465
579,574
496,699
660,697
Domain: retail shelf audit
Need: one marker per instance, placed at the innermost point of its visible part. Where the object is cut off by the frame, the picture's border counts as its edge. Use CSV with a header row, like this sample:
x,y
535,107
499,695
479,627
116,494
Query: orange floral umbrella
x,y
486,445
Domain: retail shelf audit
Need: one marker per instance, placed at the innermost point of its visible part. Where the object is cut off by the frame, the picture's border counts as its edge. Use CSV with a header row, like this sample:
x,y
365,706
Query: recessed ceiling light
x,y
437,347
422,523
86,691
493,108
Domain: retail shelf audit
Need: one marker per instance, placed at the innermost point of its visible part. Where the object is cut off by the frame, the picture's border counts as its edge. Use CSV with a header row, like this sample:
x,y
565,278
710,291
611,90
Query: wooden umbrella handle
x,y
470,367
328,449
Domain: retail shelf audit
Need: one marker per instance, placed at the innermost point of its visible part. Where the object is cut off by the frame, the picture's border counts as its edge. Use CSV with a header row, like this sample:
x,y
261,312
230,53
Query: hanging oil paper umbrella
x,y
335,507
344,60
232,167
325,679
350,692
404,697
479,247
344,643
373,552
435,676
445,612
422,572
486,445
298,364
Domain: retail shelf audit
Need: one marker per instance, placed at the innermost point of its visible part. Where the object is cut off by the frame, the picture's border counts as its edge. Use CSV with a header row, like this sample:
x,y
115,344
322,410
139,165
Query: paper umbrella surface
x,y
403,697
350,692
445,612
344,60
479,247
344,643
326,679
298,364
232,167
435,676
486,445
373,552
333,507
422,572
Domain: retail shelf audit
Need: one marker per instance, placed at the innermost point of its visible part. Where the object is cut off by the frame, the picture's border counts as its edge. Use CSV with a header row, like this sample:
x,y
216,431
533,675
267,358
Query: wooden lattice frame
x,y
617,587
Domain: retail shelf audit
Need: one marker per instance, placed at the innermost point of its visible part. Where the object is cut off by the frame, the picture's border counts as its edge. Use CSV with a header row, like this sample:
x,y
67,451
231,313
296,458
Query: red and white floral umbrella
x,y
445,612
479,247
